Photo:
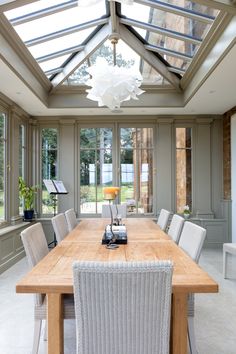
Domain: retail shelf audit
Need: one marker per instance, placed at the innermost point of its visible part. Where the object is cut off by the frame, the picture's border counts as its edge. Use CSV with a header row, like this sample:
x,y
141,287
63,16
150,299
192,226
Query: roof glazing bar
x,y
44,12
163,31
177,10
66,31
60,53
53,71
169,52
173,69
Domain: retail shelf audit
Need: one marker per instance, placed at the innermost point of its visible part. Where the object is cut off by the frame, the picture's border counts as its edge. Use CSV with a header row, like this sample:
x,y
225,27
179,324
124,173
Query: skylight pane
x,y
176,62
54,63
168,20
60,43
35,6
202,9
79,77
58,21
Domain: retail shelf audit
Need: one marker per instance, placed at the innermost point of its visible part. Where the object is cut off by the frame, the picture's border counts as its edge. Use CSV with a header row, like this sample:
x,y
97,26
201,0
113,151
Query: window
x,y
183,168
2,165
49,165
136,166
22,150
95,167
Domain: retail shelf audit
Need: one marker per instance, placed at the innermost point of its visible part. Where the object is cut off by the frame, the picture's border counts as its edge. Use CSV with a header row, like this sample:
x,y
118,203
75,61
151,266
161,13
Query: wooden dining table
x,y
146,241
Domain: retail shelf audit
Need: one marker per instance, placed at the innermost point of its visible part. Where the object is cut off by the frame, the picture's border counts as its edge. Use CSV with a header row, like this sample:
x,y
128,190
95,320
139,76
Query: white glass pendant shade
x,y
112,85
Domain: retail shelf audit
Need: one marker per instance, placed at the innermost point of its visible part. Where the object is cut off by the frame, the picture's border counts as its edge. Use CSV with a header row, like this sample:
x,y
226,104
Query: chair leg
x,y
37,330
224,264
191,336
45,337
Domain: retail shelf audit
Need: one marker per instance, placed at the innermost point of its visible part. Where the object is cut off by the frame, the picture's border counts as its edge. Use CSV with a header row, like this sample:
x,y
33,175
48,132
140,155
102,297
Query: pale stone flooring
x,y
215,317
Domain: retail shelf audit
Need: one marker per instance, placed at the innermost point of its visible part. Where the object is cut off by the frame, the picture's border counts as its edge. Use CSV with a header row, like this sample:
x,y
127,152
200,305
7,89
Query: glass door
x,y
136,169
95,167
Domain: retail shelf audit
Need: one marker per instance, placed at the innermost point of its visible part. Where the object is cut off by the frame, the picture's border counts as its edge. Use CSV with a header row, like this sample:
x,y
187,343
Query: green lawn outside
x,y
88,193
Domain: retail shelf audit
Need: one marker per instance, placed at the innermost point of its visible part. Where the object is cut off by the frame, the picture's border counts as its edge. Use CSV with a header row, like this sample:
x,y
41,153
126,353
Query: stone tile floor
x,y
215,314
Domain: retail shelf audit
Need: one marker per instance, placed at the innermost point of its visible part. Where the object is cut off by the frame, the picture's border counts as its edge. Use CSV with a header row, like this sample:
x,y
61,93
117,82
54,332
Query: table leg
x,y
179,324
55,324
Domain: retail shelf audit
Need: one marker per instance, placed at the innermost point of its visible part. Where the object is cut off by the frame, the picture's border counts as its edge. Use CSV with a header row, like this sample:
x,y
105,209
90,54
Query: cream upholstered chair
x,y
228,248
71,219
121,208
175,228
60,227
163,219
122,307
36,248
191,241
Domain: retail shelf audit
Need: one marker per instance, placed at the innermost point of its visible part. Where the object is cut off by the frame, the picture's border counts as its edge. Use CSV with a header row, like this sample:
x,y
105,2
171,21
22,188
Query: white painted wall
x,y
233,175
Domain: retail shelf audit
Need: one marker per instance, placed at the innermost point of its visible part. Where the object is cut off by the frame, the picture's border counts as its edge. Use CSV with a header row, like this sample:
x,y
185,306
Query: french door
x,y
116,156
136,169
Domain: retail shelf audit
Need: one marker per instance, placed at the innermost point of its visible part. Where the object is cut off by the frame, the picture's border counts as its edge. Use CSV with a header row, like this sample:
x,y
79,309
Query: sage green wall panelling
x,y
216,167
165,170
11,248
202,169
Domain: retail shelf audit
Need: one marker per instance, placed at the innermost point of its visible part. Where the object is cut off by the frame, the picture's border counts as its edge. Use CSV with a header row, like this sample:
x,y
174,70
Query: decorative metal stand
x,y
54,205
54,188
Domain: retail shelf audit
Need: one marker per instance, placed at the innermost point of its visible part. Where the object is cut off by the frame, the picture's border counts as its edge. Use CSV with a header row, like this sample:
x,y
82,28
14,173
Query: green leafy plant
x,y
186,209
27,194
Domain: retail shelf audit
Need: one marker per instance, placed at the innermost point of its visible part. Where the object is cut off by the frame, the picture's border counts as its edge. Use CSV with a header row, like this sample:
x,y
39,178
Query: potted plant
x,y
27,193
186,211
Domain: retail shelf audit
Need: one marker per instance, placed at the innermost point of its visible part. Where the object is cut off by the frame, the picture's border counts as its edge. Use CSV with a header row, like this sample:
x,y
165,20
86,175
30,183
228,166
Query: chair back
x,y
122,307
71,219
60,227
175,228
36,248
191,239
120,209
163,219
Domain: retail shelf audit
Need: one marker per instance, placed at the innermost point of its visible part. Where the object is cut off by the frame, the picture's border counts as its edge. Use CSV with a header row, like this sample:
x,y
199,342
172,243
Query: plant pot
x,y
186,216
28,215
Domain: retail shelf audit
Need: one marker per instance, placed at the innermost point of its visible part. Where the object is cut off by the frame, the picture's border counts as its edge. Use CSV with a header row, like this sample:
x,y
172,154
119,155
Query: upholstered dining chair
x,y
71,219
191,241
120,209
60,227
163,218
228,248
35,245
175,228
122,307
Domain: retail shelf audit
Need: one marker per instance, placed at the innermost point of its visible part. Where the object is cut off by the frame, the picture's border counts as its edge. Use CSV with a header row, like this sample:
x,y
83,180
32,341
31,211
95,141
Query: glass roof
x,y
125,56
54,31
